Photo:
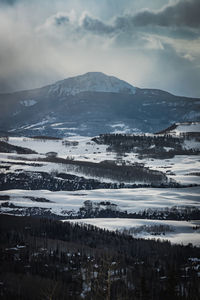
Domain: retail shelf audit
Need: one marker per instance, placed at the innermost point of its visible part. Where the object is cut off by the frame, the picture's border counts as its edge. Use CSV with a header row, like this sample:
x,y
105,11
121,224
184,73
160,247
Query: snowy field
x,y
132,200
183,232
85,150
180,168
186,127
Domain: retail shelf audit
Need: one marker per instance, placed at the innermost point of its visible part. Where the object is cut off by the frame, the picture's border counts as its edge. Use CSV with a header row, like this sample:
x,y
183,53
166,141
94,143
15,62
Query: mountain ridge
x,y
91,104
92,82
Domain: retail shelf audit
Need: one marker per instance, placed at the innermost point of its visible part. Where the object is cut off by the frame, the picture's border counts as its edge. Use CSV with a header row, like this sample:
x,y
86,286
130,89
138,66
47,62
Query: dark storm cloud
x,y
96,26
9,2
61,20
184,15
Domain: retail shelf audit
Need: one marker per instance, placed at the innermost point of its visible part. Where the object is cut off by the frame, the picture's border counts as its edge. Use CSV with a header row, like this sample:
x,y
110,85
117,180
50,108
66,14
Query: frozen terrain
x,y
180,232
130,200
182,168
180,128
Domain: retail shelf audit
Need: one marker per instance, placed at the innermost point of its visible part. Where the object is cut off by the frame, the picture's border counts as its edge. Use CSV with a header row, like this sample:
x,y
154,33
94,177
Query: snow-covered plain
x,y
180,168
132,200
85,150
183,232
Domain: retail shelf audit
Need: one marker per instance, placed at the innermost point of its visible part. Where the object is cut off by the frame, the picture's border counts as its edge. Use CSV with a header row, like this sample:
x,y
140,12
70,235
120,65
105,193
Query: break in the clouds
x,y
148,43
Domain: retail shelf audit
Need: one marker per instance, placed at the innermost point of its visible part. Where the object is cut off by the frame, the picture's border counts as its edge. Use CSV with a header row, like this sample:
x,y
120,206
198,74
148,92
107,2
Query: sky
x,y
149,43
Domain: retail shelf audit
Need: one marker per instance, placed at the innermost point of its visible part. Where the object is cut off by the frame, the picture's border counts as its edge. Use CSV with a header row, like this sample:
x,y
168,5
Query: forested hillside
x,y
67,261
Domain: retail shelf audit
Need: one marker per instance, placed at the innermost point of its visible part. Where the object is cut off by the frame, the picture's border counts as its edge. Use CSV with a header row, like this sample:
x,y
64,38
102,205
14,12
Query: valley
x,y
139,176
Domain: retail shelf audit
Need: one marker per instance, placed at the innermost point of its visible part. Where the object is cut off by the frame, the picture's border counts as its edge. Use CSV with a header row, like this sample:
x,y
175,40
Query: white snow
x,y
132,200
183,231
91,82
181,166
185,128
117,125
29,102
85,150
35,125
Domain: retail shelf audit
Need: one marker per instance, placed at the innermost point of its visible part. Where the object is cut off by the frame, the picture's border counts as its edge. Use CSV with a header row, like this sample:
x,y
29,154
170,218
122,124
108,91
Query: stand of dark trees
x,y
173,213
68,182
111,170
8,148
156,146
46,259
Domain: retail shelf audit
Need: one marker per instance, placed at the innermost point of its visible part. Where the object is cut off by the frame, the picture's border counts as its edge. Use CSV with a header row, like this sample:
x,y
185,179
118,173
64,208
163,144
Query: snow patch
x,y
29,102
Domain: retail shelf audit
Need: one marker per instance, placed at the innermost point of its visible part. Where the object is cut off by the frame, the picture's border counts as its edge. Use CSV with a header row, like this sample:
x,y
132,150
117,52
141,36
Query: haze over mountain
x,y
91,104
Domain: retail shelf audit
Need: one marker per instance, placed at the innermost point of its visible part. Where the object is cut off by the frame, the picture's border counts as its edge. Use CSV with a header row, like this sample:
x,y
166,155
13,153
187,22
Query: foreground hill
x,y
91,104
66,261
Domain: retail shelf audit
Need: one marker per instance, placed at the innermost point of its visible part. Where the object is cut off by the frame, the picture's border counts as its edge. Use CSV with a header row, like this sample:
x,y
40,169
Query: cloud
x,y
183,13
62,20
177,20
67,38
96,26
9,2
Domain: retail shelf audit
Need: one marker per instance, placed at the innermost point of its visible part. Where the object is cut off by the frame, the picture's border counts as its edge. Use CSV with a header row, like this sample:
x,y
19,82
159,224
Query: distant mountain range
x,y
91,104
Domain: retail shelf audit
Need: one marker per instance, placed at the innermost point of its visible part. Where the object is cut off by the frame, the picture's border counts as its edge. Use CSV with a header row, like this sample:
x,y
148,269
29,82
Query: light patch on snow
x,y
121,128
118,125
29,102
56,124
35,125
167,148
66,128
186,127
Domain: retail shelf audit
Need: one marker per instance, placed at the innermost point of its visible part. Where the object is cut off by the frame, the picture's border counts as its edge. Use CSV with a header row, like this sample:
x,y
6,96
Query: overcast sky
x,y
149,43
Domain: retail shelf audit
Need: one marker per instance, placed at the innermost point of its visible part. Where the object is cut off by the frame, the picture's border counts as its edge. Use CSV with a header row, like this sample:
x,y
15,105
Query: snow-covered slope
x,y
180,232
91,82
183,128
91,104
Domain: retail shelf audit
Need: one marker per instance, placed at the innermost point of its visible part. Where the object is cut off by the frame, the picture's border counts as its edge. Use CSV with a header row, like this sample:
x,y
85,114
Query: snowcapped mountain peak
x,y
91,82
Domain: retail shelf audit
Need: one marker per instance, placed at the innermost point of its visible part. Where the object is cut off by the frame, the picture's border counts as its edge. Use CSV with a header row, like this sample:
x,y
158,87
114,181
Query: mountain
x,y
91,104
90,82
